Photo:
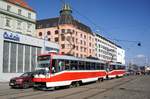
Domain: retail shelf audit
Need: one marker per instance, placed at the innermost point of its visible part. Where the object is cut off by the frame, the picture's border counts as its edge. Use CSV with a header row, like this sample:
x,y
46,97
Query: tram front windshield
x,y
43,61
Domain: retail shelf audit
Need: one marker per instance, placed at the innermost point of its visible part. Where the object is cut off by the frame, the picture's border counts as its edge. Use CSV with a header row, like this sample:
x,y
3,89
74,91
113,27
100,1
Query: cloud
x,y
140,56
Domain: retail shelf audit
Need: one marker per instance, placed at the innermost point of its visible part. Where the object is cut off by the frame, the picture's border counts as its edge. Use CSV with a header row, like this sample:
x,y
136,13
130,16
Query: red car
x,y
23,81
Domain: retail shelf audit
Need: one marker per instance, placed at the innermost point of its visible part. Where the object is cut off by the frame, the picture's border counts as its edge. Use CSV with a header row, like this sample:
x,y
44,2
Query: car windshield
x,y
41,71
43,61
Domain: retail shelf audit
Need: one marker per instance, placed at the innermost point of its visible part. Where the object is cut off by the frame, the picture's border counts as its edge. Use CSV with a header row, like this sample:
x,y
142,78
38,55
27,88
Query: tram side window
x,y
54,66
81,65
67,65
61,65
114,67
102,66
87,66
92,66
57,66
74,65
97,66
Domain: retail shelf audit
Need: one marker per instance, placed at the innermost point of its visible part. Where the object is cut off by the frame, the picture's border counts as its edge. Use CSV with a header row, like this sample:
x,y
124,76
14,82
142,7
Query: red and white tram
x,y
115,70
61,70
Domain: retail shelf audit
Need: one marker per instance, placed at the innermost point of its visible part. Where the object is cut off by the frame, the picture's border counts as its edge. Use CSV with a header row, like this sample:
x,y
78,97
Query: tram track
x,y
13,92
94,94
32,93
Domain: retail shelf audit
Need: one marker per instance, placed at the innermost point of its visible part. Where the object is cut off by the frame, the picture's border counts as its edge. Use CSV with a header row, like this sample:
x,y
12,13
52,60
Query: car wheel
x,y
25,85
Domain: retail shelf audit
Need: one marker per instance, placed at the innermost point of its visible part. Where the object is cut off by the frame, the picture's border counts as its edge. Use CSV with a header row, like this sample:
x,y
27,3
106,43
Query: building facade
x,y
120,55
108,51
74,37
17,16
18,46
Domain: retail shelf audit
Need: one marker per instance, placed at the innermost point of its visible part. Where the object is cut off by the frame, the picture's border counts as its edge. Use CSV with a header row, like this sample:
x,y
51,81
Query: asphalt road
x,y
130,87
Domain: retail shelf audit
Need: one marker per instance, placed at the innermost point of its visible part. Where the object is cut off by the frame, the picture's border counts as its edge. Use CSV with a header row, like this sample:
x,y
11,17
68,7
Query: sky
x,y
125,22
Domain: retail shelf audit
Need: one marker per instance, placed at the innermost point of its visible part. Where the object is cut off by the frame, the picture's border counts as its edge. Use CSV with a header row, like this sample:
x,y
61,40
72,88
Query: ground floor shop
x,y
18,53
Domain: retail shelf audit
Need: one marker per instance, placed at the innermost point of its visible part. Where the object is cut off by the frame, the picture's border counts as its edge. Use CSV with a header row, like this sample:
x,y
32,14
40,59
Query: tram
x,y
115,70
55,70
61,70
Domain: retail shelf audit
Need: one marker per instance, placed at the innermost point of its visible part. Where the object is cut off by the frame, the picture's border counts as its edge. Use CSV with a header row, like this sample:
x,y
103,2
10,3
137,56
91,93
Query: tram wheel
x,y
77,84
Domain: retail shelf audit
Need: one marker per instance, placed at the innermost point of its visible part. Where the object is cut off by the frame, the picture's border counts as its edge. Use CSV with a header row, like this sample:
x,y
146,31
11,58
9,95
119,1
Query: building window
x,y
8,8
40,33
29,15
56,32
49,39
81,49
7,22
62,46
68,30
90,44
29,26
62,37
76,40
77,54
76,47
63,30
76,33
90,37
90,51
84,49
19,11
81,35
84,43
84,36
48,33
19,24
81,42
56,39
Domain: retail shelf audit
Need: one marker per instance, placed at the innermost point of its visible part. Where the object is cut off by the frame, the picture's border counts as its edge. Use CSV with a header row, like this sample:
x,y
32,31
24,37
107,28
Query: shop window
x,y
20,58
13,58
5,56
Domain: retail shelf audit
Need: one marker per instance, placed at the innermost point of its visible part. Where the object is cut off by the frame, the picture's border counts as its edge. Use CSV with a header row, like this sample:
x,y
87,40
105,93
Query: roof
x,y
20,3
63,57
53,22
107,40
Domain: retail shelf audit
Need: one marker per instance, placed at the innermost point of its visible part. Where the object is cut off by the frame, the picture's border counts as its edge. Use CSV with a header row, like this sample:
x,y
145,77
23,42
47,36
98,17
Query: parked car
x,y
23,81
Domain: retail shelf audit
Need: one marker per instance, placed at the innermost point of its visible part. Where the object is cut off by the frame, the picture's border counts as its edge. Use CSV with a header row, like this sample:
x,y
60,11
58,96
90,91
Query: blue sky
x,y
127,20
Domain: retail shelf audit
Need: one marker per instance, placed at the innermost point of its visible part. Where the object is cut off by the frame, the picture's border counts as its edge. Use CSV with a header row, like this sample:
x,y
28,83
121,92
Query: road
x,y
130,87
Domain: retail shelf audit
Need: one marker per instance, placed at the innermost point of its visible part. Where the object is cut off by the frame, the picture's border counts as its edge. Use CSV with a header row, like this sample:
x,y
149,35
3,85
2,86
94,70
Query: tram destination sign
x,y
11,36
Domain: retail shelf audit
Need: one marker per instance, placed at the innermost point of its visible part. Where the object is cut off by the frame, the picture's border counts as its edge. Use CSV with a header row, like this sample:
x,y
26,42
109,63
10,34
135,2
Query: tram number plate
x,y
11,83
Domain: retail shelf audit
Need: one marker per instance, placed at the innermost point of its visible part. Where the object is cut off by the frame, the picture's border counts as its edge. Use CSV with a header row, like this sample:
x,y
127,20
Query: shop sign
x,y
11,36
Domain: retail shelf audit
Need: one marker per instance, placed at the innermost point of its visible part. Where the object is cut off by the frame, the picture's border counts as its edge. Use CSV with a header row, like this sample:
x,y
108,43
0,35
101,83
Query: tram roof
x,y
65,57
